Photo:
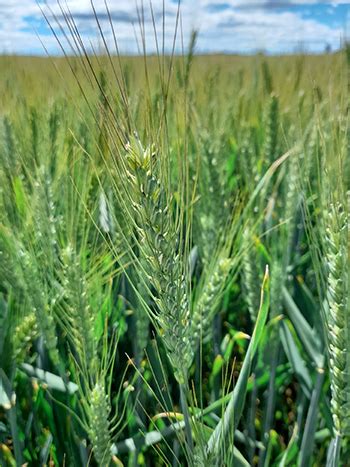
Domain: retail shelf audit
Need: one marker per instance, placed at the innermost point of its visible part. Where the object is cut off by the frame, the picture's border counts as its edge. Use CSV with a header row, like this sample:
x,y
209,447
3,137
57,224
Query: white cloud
x,y
225,25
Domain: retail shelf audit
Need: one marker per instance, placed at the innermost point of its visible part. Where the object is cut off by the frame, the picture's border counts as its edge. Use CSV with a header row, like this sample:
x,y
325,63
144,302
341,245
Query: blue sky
x,y
238,26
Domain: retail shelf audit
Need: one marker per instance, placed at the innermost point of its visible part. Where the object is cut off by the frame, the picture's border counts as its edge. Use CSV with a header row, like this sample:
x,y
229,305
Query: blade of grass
x,y
51,380
306,334
308,440
234,408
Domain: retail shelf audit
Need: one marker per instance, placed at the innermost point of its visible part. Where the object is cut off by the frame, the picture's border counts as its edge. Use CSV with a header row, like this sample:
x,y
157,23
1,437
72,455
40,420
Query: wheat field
x,y
174,260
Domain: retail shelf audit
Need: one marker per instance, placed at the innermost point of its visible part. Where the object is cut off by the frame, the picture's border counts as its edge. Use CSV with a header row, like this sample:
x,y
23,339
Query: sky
x,y
231,26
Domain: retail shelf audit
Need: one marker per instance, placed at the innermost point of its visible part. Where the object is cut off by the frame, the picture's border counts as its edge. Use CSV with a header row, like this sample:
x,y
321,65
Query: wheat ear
x,y
99,426
338,313
161,251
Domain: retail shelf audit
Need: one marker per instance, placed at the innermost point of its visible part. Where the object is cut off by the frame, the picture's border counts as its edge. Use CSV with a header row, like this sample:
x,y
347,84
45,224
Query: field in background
x,y
34,77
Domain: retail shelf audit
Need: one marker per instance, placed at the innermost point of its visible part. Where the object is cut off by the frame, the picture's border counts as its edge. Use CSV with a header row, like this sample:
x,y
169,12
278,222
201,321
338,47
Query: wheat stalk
x,y
76,308
251,274
337,316
270,150
161,251
99,424
210,295
25,333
